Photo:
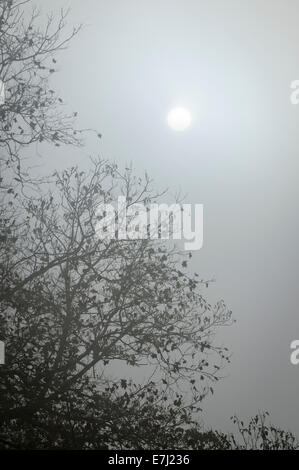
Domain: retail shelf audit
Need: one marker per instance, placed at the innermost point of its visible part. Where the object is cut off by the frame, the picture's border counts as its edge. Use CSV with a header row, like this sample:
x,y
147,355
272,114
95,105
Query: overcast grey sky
x,y
231,63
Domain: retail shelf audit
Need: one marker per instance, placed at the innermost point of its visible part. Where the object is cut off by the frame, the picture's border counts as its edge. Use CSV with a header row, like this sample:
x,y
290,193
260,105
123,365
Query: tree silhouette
x,y
77,309
72,302
32,112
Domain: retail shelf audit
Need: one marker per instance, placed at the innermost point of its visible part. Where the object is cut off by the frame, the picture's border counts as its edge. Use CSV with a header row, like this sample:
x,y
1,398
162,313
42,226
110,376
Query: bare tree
x,y
32,112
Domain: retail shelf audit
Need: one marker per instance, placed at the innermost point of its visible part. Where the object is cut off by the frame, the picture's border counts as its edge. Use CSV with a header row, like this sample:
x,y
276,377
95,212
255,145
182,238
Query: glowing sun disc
x,y
179,119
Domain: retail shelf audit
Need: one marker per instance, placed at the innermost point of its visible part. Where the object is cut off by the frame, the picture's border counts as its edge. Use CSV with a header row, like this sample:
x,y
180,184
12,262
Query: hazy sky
x,y
231,63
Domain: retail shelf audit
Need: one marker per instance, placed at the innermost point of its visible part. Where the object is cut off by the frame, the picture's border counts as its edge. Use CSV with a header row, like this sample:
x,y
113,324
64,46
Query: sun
x,y
179,118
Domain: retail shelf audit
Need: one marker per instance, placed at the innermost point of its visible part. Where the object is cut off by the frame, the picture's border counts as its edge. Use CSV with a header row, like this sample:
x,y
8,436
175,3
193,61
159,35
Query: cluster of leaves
x,y
259,434
124,416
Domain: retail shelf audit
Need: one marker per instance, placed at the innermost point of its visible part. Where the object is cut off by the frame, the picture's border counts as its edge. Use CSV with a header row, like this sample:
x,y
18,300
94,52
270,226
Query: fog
x,y
231,64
